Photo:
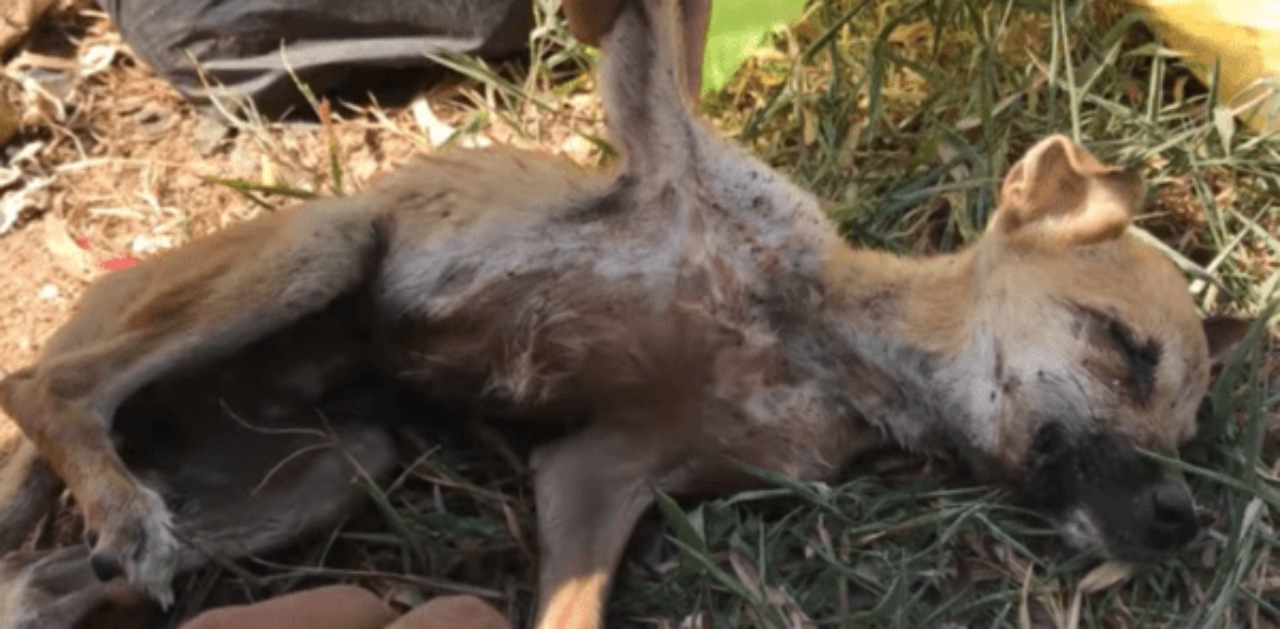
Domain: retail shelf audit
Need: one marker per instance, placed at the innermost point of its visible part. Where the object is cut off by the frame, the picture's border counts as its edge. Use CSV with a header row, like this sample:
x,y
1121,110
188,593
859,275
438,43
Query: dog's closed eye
x,y
1141,357
1135,371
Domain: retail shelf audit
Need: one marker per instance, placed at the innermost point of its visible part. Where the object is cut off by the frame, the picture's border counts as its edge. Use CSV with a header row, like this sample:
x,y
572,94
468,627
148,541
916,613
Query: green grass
x,y
904,115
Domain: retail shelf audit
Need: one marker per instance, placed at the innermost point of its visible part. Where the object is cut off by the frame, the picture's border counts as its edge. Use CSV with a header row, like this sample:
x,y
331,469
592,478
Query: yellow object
x,y
1243,36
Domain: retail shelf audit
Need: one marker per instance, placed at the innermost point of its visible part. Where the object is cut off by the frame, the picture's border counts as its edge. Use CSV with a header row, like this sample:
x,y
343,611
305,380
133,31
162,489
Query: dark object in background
x,y
334,46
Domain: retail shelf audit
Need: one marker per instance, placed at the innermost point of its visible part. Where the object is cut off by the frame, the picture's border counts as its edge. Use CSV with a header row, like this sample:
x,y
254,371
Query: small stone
x,y
155,120
209,134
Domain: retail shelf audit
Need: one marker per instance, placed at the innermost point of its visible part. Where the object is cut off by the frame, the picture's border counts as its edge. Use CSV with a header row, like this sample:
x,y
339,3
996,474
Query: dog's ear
x,y
1060,194
1224,335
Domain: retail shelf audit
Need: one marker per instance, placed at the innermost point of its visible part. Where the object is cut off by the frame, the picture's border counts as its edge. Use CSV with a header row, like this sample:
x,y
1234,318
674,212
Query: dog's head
x,y
1093,350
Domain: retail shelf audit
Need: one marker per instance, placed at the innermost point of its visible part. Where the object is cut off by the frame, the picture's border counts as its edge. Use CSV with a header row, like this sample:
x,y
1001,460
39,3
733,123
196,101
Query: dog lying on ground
x,y
687,316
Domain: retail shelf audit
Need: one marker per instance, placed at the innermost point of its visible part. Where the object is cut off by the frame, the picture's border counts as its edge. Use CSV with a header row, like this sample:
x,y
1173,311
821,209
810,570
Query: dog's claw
x,y
136,541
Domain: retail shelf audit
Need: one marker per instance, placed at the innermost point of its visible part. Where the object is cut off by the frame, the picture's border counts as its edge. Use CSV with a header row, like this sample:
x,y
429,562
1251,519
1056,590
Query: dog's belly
x,y
569,344
565,350
565,342
551,301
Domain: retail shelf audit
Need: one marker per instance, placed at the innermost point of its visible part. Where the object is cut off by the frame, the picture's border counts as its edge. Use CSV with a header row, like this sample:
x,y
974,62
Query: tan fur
x,y
1061,195
689,314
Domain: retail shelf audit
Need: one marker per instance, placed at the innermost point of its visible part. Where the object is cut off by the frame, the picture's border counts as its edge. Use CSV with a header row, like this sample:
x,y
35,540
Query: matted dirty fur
x,y
688,316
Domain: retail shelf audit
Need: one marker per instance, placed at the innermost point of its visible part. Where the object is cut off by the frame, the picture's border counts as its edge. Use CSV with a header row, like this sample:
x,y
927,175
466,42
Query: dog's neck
x,y
922,301
913,361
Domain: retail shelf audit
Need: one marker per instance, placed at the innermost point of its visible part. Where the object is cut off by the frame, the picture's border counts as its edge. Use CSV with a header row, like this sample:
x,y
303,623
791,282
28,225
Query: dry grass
x,y
904,113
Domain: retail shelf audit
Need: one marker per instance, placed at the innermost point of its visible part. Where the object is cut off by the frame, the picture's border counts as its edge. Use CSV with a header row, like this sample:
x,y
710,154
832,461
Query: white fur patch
x,y
1081,532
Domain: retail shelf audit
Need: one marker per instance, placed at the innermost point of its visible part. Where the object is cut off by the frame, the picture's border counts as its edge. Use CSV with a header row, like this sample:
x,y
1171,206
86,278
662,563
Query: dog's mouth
x,y
1085,532
1106,497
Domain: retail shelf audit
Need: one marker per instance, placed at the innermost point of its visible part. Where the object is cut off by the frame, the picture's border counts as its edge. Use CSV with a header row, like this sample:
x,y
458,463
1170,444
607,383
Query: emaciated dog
x,y
688,316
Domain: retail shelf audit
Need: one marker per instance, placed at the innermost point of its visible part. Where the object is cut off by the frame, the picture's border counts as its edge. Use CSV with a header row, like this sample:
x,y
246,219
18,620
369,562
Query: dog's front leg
x,y
129,521
191,306
591,488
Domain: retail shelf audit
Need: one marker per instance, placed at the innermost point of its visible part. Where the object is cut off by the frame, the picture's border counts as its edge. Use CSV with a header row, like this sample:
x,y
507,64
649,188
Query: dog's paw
x,y
135,540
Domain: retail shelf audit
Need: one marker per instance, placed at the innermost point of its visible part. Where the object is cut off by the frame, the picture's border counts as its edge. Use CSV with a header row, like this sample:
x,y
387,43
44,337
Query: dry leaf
x,y
67,254
1104,576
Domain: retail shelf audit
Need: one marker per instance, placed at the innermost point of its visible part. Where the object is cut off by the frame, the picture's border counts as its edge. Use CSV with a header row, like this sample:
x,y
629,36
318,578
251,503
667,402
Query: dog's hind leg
x,y
28,492
644,92
185,308
592,487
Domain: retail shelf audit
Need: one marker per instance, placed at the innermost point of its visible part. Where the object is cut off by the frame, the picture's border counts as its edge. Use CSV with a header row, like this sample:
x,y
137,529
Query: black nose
x,y
105,566
1174,522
